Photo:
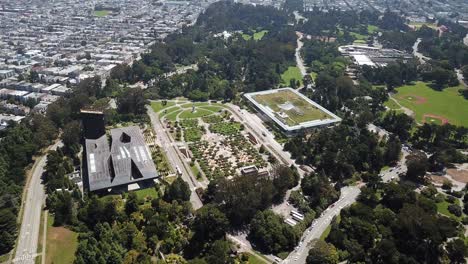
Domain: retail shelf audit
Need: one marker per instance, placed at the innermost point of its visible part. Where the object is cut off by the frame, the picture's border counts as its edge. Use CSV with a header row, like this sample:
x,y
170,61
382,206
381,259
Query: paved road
x,y
417,54
35,195
299,60
174,158
400,168
348,196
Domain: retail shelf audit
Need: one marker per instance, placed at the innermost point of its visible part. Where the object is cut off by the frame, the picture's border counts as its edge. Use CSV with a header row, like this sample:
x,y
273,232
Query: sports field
x,y
429,105
296,108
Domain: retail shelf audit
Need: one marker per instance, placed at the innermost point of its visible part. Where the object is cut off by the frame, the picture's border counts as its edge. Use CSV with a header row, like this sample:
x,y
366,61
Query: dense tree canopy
x,y
403,227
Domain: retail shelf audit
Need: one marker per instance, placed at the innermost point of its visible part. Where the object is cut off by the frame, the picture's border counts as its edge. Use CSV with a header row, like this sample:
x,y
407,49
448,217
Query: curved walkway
x,y
407,111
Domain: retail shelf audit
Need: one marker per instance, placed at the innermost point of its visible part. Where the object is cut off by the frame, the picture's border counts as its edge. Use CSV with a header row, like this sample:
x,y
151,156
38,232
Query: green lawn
x,y
61,244
292,72
201,103
148,192
173,115
253,259
359,36
256,36
420,24
328,229
158,106
101,13
371,29
422,99
200,112
194,170
392,105
213,108
359,41
442,208
259,35
313,75
325,233
4,258
384,168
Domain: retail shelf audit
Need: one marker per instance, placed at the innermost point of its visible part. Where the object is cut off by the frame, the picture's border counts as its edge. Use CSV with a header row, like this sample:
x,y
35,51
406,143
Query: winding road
x,y
299,60
417,54
348,196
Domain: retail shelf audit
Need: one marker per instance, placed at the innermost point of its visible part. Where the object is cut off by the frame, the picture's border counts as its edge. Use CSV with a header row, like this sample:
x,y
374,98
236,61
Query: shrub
x,y
455,209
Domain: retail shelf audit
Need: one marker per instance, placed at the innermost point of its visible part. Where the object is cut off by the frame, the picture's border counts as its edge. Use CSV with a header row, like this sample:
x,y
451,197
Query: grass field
x,y
420,24
302,110
442,208
292,72
359,41
328,229
61,244
200,112
158,106
214,108
313,75
392,105
371,29
359,36
447,104
147,192
4,258
195,170
101,13
253,259
173,115
256,36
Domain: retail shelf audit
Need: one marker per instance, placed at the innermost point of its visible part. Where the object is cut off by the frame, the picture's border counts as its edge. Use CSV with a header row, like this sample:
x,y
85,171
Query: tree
x,y
417,164
7,230
392,150
447,185
283,179
397,123
218,252
179,190
322,253
210,224
269,233
131,205
464,72
455,209
71,137
457,251
132,101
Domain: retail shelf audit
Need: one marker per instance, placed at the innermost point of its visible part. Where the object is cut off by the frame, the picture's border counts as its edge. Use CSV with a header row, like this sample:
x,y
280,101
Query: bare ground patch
x,y
414,98
438,180
458,175
426,117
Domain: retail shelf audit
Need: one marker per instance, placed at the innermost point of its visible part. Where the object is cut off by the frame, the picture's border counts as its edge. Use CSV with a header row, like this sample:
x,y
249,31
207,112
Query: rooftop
x,y
290,109
127,161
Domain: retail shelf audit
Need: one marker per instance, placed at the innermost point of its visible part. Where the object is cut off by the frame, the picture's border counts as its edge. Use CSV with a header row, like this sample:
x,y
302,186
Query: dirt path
x,y
406,110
